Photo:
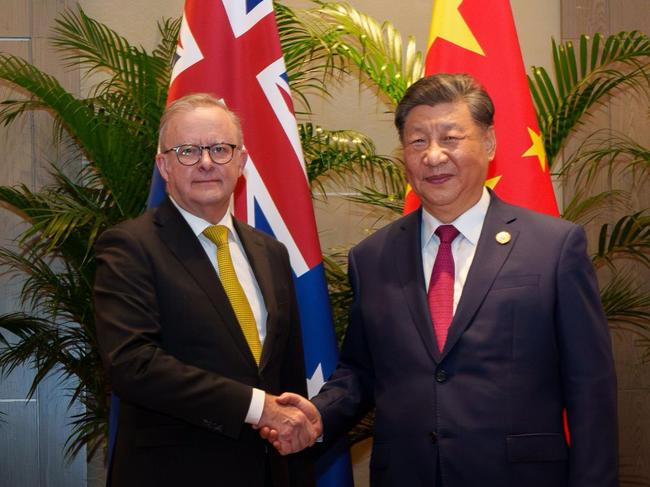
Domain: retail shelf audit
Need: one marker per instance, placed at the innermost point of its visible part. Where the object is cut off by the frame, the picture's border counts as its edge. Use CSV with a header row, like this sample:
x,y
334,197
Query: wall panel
x,y
35,429
15,19
627,115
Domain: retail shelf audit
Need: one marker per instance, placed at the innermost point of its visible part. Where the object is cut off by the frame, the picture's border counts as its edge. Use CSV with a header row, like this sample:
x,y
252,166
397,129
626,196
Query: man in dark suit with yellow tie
x,y
474,324
197,323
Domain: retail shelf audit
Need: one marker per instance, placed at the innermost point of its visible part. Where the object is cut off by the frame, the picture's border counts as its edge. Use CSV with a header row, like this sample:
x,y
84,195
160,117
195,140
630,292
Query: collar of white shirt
x,y
198,224
469,224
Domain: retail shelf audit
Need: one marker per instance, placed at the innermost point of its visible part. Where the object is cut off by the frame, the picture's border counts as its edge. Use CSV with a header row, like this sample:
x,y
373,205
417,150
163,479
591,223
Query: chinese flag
x,y
479,38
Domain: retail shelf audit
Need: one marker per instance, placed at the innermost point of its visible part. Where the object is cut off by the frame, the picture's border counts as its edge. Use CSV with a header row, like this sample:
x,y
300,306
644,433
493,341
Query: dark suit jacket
x,y
528,339
179,362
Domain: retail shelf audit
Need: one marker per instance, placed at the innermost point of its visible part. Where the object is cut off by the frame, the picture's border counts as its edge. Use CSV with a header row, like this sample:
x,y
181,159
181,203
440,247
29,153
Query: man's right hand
x,y
290,422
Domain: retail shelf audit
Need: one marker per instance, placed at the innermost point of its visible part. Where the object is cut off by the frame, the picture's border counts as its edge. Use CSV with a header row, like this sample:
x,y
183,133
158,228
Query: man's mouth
x,y
438,179
204,181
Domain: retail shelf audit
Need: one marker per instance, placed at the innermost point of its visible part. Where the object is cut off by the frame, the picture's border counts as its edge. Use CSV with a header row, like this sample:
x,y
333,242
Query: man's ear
x,y
243,159
490,142
161,164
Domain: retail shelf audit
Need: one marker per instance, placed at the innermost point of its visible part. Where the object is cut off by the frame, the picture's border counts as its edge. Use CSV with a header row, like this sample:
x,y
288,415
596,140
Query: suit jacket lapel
x,y
488,261
181,241
261,265
408,266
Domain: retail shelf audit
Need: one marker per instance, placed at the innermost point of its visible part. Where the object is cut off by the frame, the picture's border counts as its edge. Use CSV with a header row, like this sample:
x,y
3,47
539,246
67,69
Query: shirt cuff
x,y
256,407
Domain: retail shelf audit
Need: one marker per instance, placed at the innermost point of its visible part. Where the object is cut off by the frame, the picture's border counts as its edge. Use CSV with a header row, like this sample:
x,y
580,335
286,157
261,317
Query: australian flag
x,y
231,49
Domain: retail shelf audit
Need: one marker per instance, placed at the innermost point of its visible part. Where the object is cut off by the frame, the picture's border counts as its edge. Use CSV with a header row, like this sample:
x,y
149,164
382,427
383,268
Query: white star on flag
x,y
315,382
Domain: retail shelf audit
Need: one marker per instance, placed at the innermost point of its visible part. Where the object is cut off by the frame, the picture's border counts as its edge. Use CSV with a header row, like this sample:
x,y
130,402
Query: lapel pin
x,y
503,237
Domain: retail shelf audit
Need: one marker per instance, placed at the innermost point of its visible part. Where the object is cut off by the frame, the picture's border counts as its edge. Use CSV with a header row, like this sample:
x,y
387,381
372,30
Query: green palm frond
x,y
20,325
339,291
627,304
583,79
36,335
89,430
363,429
53,288
584,207
127,105
61,349
609,152
105,138
64,215
377,50
393,202
629,237
124,160
88,44
47,93
311,49
343,156
166,48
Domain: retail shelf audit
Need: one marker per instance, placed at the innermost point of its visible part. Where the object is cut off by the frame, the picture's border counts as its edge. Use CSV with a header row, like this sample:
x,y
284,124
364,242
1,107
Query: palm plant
x,y
585,78
112,136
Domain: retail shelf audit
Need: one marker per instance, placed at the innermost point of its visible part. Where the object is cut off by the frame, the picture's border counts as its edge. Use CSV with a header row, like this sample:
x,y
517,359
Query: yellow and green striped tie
x,y
219,235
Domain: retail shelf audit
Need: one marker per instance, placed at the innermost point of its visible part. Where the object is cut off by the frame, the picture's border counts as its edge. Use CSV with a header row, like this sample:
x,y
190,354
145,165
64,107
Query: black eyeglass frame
x,y
176,148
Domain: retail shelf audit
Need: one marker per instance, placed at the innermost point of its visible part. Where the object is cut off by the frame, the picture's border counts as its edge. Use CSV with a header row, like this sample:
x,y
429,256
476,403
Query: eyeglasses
x,y
189,154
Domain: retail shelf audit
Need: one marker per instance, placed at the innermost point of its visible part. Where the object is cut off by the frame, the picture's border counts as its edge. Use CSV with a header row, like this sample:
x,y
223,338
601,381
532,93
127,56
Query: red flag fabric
x,y
479,38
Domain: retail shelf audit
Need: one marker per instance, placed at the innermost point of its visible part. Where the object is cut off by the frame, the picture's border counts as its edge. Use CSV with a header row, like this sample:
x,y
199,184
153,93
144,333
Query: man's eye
x,y
187,151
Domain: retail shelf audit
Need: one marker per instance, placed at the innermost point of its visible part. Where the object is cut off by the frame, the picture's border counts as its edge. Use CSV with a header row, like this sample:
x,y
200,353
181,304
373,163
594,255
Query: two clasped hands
x,y
289,422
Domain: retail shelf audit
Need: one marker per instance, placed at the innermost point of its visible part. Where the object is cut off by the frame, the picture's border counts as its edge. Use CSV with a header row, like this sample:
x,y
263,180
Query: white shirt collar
x,y
198,224
469,224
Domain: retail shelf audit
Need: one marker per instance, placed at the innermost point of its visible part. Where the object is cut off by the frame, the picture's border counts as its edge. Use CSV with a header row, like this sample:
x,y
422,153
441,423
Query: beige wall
x,y
536,21
33,429
627,115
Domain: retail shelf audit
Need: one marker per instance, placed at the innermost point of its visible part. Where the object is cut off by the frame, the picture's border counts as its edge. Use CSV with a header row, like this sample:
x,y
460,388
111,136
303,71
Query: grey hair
x,y
446,88
190,102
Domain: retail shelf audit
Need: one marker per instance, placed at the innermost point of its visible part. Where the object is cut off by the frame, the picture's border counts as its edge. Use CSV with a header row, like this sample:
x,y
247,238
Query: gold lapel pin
x,y
503,237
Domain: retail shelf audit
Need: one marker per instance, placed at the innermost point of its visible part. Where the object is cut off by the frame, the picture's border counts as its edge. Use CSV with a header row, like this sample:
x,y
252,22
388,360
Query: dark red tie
x,y
441,285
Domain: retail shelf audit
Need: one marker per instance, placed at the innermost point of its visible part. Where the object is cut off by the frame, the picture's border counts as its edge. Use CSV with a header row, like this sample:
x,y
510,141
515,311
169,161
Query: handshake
x,y
289,422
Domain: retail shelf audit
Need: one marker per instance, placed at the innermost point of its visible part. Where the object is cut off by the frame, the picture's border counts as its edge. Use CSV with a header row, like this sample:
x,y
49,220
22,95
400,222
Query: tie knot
x,y
218,234
447,233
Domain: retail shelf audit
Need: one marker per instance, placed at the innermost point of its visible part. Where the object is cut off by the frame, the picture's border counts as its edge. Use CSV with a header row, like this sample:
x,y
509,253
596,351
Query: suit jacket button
x,y
441,376
433,436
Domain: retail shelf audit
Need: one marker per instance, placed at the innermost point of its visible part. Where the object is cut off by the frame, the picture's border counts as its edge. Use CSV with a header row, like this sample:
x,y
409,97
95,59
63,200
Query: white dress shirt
x,y
248,282
463,248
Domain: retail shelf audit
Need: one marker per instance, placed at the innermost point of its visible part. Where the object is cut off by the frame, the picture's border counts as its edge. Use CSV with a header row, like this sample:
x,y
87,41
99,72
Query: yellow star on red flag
x,y
448,23
537,149
492,182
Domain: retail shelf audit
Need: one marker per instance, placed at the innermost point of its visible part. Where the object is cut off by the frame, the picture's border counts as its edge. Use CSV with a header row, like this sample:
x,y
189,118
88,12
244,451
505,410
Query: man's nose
x,y
434,154
205,160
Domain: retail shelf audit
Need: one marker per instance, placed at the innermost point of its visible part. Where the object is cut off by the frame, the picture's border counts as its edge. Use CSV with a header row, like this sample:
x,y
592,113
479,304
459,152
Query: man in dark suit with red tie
x,y
474,325
197,323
